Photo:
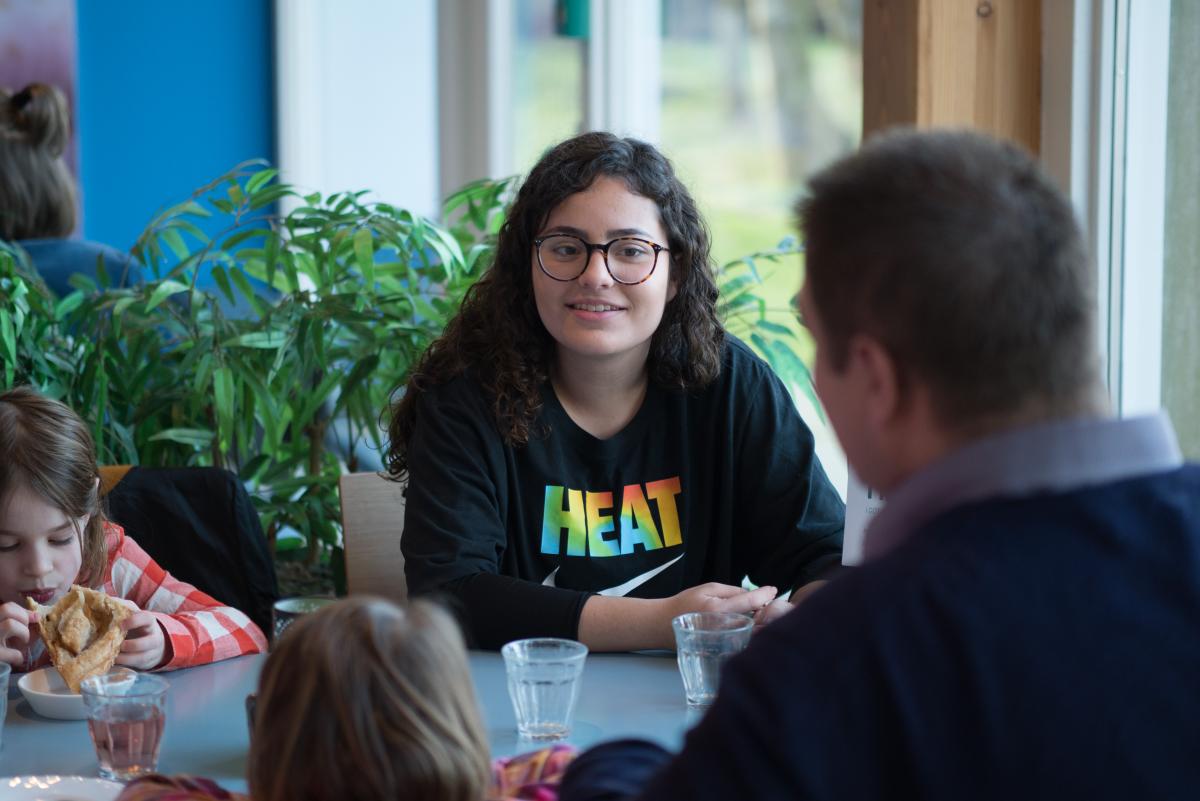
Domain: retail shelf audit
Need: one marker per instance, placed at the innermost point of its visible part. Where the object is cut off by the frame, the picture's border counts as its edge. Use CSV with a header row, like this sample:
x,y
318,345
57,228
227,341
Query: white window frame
x,y
1144,207
1104,123
624,68
622,80
355,108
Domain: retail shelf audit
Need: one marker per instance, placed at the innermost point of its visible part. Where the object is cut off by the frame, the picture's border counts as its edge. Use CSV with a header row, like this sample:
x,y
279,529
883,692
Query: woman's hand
x,y
145,645
631,624
715,597
14,634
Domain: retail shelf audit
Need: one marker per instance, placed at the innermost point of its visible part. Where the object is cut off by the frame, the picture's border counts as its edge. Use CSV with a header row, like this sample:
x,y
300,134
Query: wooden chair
x,y
372,519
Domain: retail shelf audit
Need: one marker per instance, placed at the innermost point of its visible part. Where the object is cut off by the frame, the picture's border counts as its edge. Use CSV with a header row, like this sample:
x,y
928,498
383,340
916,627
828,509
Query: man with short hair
x,y
1026,623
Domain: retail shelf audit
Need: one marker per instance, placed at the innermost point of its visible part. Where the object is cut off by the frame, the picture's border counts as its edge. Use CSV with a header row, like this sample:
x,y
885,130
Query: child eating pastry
x,y
53,535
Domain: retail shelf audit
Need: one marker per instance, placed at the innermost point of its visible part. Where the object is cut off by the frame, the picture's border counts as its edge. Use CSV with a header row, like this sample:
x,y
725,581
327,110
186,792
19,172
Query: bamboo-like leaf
x,y
175,242
233,240
121,305
68,304
272,420
267,340
83,282
362,370
194,437
269,195
222,278
8,336
203,374
364,255
243,285
316,397
224,392
163,291
250,470
256,181
102,273
776,328
194,230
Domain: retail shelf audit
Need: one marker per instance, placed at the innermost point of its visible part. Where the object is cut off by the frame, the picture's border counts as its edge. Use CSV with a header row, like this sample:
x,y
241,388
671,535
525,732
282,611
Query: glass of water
x,y
703,641
543,683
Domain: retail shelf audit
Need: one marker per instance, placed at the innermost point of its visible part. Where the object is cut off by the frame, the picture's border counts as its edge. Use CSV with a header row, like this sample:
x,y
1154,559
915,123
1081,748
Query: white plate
x,y
50,697
57,788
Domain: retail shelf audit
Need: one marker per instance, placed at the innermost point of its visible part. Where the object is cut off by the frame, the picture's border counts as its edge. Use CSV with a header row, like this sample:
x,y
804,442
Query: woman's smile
x,y
592,315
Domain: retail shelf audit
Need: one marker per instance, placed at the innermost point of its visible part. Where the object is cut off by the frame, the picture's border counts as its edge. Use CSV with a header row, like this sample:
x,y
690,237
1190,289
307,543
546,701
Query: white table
x,y
623,695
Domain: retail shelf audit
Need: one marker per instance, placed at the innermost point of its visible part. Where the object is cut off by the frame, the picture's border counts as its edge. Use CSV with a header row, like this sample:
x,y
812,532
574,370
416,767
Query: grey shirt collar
x,y
1049,457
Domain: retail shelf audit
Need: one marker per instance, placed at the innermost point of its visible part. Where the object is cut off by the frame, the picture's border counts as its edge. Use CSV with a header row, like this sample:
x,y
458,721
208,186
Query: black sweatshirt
x,y
713,485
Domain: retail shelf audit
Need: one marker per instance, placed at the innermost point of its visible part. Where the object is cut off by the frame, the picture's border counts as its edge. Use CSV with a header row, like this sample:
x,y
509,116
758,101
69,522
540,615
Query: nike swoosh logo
x,y
621,589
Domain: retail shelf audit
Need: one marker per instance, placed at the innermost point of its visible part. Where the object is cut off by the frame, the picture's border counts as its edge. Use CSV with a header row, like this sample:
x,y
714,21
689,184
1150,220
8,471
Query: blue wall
x,y
170,95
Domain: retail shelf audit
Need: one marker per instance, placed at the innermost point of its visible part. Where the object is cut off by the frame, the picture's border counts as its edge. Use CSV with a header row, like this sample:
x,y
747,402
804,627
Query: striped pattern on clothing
x,y
198,629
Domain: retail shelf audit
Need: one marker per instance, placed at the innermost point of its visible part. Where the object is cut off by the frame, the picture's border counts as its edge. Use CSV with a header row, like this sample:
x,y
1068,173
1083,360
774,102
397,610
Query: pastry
x,y
82,632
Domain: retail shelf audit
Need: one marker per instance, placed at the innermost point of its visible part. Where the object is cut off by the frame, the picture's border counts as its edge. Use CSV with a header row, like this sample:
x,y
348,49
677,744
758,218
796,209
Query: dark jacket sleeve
x,y
751,744
791,532
612,771
734,752
455,534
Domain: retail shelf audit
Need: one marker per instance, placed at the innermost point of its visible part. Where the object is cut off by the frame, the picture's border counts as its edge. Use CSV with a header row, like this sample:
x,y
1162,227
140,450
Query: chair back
x,y
372,519
201,526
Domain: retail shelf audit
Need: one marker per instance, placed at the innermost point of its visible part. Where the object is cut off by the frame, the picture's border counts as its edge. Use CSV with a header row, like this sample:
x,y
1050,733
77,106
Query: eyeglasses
x,y
628,259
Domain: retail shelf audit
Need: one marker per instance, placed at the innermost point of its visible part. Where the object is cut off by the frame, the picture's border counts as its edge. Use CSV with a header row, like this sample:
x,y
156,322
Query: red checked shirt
x,y
198,628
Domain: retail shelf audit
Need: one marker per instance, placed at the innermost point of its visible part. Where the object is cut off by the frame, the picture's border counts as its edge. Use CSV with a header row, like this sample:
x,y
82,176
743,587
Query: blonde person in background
x,y
38,196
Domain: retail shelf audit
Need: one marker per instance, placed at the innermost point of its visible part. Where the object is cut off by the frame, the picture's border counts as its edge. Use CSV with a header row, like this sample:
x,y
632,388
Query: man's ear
x,y
879,380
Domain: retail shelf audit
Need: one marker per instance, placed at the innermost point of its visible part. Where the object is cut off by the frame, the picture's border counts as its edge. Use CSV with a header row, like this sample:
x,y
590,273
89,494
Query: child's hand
x,y
14,633
145,645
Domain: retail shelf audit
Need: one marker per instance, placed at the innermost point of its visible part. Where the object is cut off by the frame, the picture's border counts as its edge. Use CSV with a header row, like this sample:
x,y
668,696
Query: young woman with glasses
x,y
588,454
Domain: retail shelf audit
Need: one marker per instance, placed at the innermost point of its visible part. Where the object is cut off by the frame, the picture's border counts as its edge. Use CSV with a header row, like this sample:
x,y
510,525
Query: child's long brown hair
x,y
47,447
365,700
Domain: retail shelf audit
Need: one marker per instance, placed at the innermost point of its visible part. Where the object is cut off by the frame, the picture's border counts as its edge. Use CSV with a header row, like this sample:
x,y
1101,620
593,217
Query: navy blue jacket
x,y
1044,647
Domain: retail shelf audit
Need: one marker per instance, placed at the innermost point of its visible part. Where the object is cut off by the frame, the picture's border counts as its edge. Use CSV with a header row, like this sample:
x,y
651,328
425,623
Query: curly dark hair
x,y
498,334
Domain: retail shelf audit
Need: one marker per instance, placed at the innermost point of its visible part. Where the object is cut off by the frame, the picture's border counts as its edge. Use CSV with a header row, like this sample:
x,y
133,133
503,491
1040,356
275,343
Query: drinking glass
x,y
126,712
287,610
5,672
543,683
703,641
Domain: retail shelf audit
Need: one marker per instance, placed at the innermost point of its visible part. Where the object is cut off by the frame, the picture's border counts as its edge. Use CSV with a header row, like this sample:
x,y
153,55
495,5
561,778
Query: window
x,y
549,57
1153,276
1181,238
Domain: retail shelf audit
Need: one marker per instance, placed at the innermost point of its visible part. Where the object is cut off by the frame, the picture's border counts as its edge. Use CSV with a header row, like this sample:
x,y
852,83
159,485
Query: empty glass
x,y
703,641
543,683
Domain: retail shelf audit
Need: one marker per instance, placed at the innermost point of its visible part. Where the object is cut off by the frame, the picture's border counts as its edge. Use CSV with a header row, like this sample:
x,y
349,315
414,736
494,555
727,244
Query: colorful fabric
x,y
176,788
198,628
530,777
